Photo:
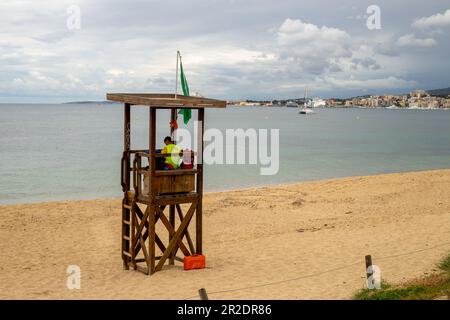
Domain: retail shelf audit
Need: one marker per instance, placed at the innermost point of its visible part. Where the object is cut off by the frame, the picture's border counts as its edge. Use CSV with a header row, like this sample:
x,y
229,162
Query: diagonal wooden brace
x,y
177,235
172,232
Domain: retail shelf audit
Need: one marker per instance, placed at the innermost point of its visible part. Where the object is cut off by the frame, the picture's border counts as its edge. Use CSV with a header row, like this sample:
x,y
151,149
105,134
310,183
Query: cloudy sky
x,y
234,49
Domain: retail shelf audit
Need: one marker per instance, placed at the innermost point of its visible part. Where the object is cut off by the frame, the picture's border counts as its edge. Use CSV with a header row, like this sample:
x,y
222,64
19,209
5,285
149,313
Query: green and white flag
x,y
184,85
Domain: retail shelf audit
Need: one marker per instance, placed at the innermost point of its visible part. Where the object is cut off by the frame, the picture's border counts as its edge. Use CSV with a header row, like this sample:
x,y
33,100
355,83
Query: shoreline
x,y
290,184
233,189
291,241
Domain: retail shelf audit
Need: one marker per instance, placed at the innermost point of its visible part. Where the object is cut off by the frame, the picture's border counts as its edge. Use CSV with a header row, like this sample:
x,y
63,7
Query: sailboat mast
x,y
305,96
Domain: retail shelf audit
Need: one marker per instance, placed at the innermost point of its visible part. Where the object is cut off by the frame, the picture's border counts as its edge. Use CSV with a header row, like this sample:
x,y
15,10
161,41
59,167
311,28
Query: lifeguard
x,y
173,159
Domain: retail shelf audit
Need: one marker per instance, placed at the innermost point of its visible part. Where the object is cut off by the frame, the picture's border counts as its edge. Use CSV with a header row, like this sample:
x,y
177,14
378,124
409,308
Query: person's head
x,y
167,140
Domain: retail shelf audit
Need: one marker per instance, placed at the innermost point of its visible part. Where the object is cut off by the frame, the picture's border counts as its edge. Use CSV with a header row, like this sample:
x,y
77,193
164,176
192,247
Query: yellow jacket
x,y
173,160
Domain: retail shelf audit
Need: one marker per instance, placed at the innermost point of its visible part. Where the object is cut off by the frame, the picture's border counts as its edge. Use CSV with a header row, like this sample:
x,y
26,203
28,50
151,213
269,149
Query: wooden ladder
x,y
127,214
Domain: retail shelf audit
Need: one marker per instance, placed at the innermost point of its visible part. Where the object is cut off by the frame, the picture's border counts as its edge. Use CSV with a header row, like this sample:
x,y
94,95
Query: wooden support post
x,y
173,117
127,142
177,236
152,222
188,236
133,226
126,213
198,220
368,259
151,239
203,295
125,232
172,223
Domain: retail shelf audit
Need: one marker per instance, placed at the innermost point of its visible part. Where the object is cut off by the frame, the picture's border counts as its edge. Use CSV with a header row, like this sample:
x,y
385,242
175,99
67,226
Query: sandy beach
x,y
300,241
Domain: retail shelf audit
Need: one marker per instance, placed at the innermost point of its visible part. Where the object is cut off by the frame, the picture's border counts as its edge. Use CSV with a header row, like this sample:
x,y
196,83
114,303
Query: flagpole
x,y
173,112
176,76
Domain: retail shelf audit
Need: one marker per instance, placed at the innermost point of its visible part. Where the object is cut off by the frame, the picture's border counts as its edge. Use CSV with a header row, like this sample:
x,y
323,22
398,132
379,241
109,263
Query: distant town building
x,y
418,99
419,94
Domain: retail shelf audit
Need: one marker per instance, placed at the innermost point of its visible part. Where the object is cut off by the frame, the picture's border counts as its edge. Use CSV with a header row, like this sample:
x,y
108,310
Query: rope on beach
x,y
321,272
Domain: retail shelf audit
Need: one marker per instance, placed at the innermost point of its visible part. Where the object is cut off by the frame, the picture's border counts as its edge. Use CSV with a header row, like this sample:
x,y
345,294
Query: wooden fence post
x,y
203,294
368,264
368,259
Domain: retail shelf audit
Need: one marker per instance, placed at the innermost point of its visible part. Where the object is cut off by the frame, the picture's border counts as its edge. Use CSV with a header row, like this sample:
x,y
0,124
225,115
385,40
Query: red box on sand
x,y
196,261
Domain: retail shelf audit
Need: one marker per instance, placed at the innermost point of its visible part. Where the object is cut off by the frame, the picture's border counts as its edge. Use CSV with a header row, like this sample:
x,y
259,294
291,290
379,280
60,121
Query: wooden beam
x,y
174,199
152,162
133,234
151,239
142,224
172,233
125,173
188,236
175,172
199,213
165,100
145,235
177,235
127,141
172,224
125,233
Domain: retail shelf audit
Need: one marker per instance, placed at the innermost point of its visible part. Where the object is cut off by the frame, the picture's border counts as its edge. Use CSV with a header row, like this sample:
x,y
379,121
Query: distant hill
x,y
440,92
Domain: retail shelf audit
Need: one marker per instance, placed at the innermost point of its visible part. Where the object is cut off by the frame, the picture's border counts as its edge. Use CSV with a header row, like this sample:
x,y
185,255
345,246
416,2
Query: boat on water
x,y
307,105
392,107
292,104
306,111
318,103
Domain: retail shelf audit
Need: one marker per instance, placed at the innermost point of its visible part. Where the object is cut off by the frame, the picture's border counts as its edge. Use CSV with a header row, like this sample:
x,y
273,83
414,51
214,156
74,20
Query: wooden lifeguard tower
x,y
148,192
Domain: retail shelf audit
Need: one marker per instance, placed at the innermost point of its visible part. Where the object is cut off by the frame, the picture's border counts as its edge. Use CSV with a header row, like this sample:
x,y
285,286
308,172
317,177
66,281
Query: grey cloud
x,y
230,48
366,63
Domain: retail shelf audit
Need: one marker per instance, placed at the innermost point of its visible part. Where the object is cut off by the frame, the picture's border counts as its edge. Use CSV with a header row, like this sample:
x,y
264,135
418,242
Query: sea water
x,y
73,151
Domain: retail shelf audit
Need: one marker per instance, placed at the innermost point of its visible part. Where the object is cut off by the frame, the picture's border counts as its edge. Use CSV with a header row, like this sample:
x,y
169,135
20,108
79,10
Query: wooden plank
x,y
142,224
172,233
199,213
144,200
188,236
160,244
151,240
133,234
144,251
158,241
125,231
151,148
175,172
163,184
126,212
177,235
145,235
176,199
138,175
185,183
127,142
141,240
172,224
165,101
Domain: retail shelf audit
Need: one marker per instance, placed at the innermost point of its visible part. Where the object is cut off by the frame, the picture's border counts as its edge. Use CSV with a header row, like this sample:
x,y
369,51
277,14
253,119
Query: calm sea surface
x,y
72,151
